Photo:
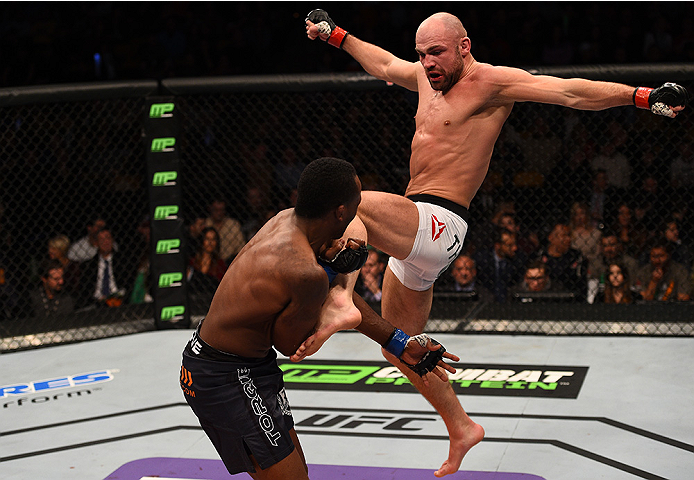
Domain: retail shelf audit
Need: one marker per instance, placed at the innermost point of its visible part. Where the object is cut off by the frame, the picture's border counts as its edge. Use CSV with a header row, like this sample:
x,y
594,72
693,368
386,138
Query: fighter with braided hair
x,y
463,105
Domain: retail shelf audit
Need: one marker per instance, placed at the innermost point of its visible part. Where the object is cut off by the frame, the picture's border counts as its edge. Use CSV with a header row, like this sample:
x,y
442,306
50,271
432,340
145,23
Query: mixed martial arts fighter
x,y
273,295
463,105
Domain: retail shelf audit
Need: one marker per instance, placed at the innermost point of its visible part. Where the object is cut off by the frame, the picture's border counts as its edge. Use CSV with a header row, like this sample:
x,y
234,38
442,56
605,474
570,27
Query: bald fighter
x,y
463,105
272,297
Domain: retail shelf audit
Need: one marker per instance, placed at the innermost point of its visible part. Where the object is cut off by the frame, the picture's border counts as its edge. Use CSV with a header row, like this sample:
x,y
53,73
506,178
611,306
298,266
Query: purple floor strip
x,y
191,468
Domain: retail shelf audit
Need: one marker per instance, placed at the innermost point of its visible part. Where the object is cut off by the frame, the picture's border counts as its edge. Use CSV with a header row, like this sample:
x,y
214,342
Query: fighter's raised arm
x,y
516,85
375,60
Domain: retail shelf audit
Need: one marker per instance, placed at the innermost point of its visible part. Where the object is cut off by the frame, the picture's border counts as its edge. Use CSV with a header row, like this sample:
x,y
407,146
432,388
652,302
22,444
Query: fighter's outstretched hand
x,y
423,354
667,100
319,24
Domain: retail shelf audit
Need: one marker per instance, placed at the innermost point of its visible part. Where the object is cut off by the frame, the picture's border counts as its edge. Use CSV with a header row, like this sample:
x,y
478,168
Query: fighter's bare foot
x,y
459,446
338,313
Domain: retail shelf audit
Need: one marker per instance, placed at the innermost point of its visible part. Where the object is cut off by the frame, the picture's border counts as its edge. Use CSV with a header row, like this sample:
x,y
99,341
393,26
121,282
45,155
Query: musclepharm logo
x,y
173,279
166,212
172,245
161,110
173,313
164,179
165,144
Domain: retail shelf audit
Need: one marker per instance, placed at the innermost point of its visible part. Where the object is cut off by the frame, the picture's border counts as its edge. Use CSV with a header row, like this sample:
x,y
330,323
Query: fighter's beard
x,y
450,79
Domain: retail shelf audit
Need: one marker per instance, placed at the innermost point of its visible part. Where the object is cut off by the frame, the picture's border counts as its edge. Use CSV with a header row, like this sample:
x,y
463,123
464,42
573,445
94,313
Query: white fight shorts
x,y
442,228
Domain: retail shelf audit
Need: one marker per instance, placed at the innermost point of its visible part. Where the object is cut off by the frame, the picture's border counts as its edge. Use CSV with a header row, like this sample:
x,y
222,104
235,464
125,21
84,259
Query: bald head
x,y
444,50
443,22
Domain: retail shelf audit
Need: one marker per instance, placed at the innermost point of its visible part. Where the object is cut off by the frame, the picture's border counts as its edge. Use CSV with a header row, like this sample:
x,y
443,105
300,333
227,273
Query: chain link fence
x,y
73,171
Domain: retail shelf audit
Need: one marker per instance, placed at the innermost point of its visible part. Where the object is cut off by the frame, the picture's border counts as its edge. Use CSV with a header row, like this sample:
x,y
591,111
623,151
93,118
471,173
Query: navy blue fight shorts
x,y
240,403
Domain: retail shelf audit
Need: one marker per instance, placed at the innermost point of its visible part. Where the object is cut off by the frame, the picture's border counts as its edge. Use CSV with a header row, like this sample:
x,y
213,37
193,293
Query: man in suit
x,y
107,277
501,266
463,278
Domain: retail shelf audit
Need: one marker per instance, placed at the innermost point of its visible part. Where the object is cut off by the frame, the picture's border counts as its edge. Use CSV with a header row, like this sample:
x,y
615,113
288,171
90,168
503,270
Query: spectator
x,y
500,267
535,280
50,299
585,237
462,277
106,277
617,287
482,233
611,251
679,251
206,269
565,264
86,247
231,239
370,278
662,279
527,242
194,236
58,248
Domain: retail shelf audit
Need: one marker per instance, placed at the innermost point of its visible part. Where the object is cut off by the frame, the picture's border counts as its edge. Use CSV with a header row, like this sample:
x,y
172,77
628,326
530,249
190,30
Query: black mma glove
x,y
326,25
398,341
659,100
349,259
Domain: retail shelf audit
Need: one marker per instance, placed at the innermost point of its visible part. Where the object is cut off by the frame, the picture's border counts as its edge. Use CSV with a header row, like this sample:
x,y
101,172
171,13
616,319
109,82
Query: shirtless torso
x,y
271,296
454,137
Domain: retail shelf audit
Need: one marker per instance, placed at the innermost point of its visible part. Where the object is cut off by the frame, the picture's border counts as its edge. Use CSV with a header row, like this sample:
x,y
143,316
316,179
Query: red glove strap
x,y
337,37
641,95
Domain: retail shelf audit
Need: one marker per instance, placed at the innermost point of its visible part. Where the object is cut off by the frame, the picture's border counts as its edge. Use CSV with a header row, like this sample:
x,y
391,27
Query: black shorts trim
x,y
459,210
197,347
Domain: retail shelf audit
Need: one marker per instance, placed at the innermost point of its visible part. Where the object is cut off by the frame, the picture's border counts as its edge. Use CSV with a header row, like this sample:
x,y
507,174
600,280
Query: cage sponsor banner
x,y
547,381
167,258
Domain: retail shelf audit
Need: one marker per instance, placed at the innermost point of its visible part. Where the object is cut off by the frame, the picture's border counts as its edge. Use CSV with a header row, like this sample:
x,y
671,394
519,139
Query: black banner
x,y
167,257
470,379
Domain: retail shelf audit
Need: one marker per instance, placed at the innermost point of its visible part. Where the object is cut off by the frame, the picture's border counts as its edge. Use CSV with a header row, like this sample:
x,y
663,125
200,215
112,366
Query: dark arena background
x,y
136,125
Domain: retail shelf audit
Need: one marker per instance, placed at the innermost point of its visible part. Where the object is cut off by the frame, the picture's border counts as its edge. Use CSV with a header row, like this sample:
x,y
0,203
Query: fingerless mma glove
x,y
397,342
659,100
346,261
326,25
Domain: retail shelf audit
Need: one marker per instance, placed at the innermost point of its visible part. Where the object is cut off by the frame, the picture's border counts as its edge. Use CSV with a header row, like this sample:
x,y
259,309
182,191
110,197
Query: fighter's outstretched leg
x,y
408,310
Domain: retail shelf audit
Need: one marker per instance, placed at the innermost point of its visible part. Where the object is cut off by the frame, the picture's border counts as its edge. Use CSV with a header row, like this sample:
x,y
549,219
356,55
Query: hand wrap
x,y
326,25
661,99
